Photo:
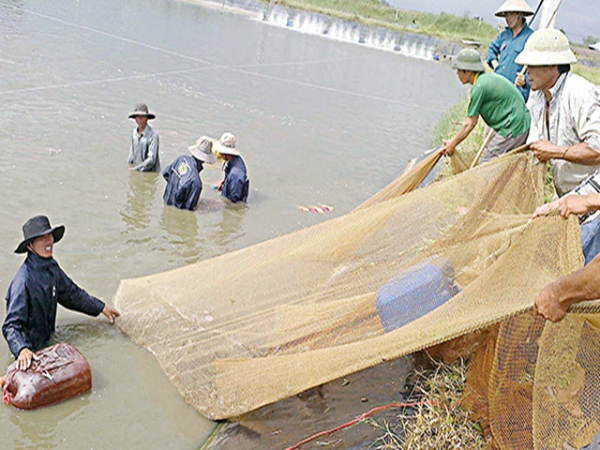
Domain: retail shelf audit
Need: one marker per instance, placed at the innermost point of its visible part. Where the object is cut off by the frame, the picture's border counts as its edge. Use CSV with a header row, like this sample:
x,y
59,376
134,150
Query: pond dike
x,y
403,42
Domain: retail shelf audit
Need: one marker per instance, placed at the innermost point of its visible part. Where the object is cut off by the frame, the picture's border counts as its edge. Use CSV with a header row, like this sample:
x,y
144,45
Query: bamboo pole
x,y
486,141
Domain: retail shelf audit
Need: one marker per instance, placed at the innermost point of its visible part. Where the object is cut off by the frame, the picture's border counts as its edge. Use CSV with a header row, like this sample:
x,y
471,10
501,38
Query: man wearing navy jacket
x,y
183,175
39,285
236,185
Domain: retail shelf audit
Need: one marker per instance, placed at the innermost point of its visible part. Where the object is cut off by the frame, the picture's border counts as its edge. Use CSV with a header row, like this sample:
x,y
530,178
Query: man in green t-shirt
x,y
497,101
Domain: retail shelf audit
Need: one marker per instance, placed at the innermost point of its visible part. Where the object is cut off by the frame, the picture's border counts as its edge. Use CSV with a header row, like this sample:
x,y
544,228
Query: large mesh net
x,y
264,323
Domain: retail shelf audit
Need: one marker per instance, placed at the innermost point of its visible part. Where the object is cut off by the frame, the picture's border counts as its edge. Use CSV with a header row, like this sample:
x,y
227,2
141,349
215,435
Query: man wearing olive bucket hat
x,y
39,285
496,100
235,185
565,130
183,175
143,154
565,110
502,52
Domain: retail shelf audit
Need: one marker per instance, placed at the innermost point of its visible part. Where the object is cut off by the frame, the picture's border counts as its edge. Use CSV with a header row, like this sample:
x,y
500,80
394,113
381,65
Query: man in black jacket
x,y
39,285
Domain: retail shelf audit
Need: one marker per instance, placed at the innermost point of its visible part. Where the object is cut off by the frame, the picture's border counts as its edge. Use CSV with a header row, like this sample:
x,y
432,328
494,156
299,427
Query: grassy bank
x,y
372,12
589,73
439,422
443,25
442,422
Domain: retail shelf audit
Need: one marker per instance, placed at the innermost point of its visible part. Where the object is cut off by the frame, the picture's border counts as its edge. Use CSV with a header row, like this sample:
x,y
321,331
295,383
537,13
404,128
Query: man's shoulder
x,y
179,159
23,276
505,34
237,172
526,31
185,167
239,166
577,84
490,80
148,133
498,83
578,92
493,77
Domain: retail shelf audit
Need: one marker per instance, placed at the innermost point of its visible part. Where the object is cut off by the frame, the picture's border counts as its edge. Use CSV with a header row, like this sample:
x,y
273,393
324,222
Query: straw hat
x,y
468,59
141,109
226,145
514,6
36,227
546,47
202,150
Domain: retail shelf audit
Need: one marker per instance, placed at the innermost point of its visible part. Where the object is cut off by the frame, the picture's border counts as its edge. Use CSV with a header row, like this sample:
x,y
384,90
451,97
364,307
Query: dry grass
x,y
441,422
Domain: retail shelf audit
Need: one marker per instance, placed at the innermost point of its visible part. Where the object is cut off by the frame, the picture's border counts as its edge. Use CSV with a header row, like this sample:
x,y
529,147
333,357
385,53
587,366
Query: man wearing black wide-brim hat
x,y
143,154
39,285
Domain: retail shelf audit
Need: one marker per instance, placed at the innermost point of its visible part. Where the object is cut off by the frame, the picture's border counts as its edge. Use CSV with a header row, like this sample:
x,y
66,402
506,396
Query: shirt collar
x,y
37,261
146,131
525,27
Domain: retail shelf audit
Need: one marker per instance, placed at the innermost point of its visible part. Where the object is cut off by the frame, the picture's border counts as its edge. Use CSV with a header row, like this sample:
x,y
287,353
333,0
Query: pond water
x,y
317,121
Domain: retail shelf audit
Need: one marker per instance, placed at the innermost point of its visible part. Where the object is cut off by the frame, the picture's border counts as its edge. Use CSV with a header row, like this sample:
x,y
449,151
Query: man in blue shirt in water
x,y
183,175
39,285
502,52
235,186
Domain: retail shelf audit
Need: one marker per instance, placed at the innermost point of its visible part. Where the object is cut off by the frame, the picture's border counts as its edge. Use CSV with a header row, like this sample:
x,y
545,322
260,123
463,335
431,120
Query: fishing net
x,y
401,273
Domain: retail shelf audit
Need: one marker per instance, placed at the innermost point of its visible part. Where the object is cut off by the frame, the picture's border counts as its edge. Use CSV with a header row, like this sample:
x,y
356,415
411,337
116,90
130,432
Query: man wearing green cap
x,y
496,100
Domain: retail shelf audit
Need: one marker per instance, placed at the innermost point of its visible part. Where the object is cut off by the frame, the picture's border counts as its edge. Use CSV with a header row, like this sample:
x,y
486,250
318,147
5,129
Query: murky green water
x,y
318,122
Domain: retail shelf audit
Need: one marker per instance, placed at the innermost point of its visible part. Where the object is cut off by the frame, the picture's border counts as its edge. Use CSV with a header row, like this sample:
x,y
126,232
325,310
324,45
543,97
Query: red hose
x,y
356,420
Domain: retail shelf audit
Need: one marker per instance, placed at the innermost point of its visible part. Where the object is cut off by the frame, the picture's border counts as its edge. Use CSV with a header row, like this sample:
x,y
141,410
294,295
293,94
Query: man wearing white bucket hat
x,y
565,110
183,175
502,52
235,186
496,100
143,154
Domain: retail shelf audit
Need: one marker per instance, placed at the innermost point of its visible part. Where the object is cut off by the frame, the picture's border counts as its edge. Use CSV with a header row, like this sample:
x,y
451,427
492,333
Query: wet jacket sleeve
x,y
73,297
16,317
151,157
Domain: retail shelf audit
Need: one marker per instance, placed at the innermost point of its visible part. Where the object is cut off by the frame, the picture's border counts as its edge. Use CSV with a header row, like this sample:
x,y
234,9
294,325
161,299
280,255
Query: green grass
x,y
372,12
586,72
